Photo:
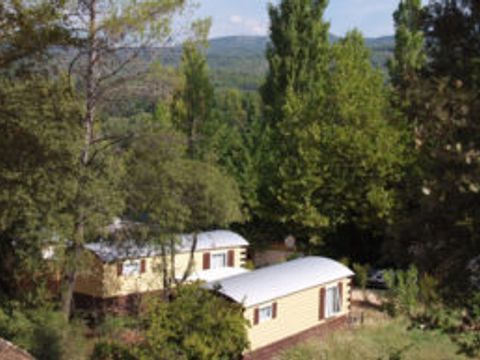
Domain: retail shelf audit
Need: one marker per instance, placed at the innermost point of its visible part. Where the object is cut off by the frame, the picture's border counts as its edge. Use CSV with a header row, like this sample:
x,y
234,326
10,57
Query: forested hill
x,y
239,61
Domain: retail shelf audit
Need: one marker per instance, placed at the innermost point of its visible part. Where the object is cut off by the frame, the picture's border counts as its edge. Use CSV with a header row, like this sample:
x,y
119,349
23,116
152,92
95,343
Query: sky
x,y
250,17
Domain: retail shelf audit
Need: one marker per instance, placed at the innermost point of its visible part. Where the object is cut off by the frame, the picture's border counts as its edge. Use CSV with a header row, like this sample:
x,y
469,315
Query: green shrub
x,y
196,324
112,350
403,294
113,326
43,332
361,277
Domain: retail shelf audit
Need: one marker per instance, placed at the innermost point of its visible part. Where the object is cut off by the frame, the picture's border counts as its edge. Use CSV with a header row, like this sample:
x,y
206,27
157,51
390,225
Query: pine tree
x,y
409,57
453,40
193,102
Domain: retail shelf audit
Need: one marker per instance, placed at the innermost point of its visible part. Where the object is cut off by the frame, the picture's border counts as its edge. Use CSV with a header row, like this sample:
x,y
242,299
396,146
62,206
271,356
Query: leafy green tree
x,y
172,195
196,325
193,102
336,155
296,82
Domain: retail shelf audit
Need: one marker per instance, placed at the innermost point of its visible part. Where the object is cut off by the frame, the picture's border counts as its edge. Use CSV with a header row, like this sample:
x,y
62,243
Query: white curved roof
x,y
217,239
273,282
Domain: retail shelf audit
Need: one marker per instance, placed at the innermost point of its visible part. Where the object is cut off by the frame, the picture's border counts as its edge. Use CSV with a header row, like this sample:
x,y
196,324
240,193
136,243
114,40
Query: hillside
x,y
240,61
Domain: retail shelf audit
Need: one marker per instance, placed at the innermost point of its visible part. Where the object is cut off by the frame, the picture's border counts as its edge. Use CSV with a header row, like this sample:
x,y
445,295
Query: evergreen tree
x,y
113,35
41,135
28,29
409,57
236,141
453,40
193,102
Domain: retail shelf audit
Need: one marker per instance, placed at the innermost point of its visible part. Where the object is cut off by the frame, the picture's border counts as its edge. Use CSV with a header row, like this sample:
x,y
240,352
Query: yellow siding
x,y
295,313
89,280
106,283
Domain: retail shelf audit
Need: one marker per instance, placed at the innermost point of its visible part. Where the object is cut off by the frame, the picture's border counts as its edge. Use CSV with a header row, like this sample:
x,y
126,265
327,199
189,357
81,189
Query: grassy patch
x,y
382,339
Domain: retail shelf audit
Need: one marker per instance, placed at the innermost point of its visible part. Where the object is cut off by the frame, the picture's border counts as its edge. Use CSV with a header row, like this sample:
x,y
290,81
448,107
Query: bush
x,y
112,350
195,325
402,296
42,332
361,277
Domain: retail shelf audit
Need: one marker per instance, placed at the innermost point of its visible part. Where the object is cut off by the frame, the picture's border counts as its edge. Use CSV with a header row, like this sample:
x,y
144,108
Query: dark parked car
x,y
376,279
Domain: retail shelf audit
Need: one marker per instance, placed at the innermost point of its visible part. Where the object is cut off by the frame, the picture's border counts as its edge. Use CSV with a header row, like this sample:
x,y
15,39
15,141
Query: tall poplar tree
x,y
334,156
298,57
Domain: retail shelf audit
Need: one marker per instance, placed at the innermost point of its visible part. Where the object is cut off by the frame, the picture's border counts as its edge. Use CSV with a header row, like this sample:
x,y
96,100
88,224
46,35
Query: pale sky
x,y
250,17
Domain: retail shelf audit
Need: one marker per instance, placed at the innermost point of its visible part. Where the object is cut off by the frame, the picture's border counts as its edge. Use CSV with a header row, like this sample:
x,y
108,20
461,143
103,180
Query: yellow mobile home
x,y
286,302
119,275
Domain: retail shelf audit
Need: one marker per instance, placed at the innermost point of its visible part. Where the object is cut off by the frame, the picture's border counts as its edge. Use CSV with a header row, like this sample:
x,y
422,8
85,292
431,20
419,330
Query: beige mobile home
x,y
118,276
286,302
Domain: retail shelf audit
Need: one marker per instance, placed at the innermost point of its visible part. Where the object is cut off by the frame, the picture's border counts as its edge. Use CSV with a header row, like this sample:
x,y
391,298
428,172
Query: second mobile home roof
x,y
277,281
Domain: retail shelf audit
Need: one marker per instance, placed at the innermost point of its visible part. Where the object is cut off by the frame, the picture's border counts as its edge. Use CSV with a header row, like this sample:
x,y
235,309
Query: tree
x,y
29,29
173,195
296,82
193,102
410,56
196,325
236,140
113,36
439,231
337,155
438,220
40,122
453,40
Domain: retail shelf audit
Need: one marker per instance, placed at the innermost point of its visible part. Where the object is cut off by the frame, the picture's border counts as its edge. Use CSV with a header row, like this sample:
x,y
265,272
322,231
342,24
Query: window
x,y
332,304
266,313
132,267
219,260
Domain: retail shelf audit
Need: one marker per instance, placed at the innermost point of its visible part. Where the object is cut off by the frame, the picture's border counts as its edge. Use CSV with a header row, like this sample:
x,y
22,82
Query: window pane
x,y
131,268
333,301
219,261
266,313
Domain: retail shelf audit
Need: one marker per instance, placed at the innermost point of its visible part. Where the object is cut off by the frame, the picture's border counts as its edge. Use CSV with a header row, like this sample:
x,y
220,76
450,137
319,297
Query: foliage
x,y
334,155
29,29
403,291
111,350
42,332
41,138
410,57
178,194
196,325
453,44
192,103
361,276
236,141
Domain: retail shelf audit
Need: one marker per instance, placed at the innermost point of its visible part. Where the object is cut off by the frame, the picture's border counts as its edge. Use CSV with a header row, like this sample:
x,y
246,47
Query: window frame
x,y
263,319
337,308
225,260
128,264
